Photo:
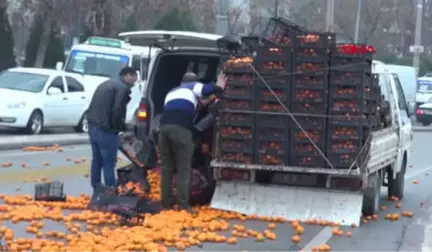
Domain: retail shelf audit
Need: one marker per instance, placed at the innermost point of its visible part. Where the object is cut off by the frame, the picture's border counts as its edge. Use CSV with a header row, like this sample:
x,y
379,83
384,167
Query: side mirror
x,y
59,66
54,91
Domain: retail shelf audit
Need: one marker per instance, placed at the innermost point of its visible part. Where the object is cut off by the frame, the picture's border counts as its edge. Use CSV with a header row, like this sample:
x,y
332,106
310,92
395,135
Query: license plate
x,y
295,179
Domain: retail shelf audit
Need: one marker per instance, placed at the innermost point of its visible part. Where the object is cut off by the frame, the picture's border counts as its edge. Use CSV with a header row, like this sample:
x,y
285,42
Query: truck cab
x,y
99,59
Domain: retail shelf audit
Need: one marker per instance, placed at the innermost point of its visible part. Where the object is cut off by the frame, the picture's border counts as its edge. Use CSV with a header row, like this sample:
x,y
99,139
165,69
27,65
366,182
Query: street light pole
x,y
359,7
221,27
417,38
276,8
329,15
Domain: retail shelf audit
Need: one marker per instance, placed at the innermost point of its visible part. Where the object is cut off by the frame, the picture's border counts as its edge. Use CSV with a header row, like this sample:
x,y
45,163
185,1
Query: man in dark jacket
x,y
176,142
106,117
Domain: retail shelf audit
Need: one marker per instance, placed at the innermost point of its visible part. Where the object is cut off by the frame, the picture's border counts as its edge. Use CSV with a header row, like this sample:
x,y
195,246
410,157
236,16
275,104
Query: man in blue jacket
x,y
176,142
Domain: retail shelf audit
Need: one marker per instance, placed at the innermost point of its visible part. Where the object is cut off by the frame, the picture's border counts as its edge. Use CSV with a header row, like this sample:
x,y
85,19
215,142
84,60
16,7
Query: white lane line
x,y
326,234
31,153
321,238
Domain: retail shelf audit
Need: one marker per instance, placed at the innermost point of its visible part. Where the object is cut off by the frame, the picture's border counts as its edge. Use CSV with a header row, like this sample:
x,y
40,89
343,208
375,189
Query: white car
x,y
35,98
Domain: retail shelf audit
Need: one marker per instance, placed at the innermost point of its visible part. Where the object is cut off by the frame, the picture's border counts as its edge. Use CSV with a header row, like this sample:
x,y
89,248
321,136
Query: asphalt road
x,y
408,234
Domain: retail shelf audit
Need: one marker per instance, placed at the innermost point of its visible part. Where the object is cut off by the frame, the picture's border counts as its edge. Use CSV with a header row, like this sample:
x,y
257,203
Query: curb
x,y
16,145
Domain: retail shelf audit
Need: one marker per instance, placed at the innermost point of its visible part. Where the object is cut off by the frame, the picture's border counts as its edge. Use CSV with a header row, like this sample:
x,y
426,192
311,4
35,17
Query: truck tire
x,y
396,185
372,195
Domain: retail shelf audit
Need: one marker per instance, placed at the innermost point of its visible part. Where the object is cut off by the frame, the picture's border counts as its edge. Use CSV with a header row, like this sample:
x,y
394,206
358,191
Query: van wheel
x,y
426,123
372,195
35,123
396,185
82,126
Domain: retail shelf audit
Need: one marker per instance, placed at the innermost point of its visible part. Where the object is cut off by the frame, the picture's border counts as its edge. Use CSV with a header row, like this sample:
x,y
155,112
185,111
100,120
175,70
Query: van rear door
x,y
171,39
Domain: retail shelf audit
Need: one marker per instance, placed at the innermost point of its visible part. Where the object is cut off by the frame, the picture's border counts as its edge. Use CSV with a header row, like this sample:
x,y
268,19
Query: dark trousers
x,y
105,145
176,149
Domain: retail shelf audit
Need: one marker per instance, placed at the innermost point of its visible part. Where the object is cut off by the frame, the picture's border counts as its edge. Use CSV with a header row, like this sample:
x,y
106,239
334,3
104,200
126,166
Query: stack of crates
x,y
236,118
309,97
348,126
271,130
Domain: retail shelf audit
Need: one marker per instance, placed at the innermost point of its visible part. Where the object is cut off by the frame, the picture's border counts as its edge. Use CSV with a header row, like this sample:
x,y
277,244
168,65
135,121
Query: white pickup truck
x,y
346,193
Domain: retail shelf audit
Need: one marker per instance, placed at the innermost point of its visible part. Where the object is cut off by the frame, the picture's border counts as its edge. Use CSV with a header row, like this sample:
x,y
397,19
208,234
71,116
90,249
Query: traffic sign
x,y
416,49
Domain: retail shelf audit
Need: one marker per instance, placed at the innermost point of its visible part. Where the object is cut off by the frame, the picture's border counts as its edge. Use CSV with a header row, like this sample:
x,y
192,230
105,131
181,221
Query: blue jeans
x,y
105,145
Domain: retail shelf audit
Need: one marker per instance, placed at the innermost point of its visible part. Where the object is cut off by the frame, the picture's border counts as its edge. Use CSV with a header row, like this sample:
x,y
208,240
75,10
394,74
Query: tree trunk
x,y
40,56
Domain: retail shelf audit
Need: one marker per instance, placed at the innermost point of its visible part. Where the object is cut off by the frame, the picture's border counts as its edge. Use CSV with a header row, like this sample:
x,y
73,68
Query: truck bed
x,y
382,152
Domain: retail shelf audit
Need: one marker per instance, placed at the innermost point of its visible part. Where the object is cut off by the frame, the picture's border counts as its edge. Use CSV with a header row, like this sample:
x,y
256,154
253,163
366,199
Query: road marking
x,y
321,238
326,234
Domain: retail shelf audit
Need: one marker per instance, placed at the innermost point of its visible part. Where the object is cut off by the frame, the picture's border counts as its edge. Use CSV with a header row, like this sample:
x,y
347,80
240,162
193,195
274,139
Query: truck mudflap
x,y
302,203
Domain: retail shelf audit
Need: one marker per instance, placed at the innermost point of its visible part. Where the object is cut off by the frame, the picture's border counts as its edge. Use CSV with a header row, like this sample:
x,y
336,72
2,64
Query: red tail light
x,y
419,112
234,174
142,112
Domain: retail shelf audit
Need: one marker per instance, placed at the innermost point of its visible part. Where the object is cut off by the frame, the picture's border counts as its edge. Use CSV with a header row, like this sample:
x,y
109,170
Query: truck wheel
x,y
396,185
372,195
426,123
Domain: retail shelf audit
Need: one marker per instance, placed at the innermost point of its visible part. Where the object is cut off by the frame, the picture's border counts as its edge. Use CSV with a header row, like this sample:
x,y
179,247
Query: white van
x,y
424,90
99,59
408,79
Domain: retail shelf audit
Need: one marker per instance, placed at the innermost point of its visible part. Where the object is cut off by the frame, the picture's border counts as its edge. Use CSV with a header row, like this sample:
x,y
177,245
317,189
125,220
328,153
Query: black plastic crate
x,y
310,66
51,191
305,109
347,92
238,65
268,67
231,103
272,121
309,122
272,134
236,157
270,106
309,95
281,31
275,82
235,145
237,89
345,132
344,146
307,161
345,161
306,149
310,80
240,78
251,43
325,40
236,119
355,106
299,136
234,132
346,119
310,55
263,93
277,53
339,76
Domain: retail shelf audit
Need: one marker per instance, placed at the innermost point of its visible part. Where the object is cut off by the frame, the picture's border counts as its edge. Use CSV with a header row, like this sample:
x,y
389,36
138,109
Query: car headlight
x,y
16,105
